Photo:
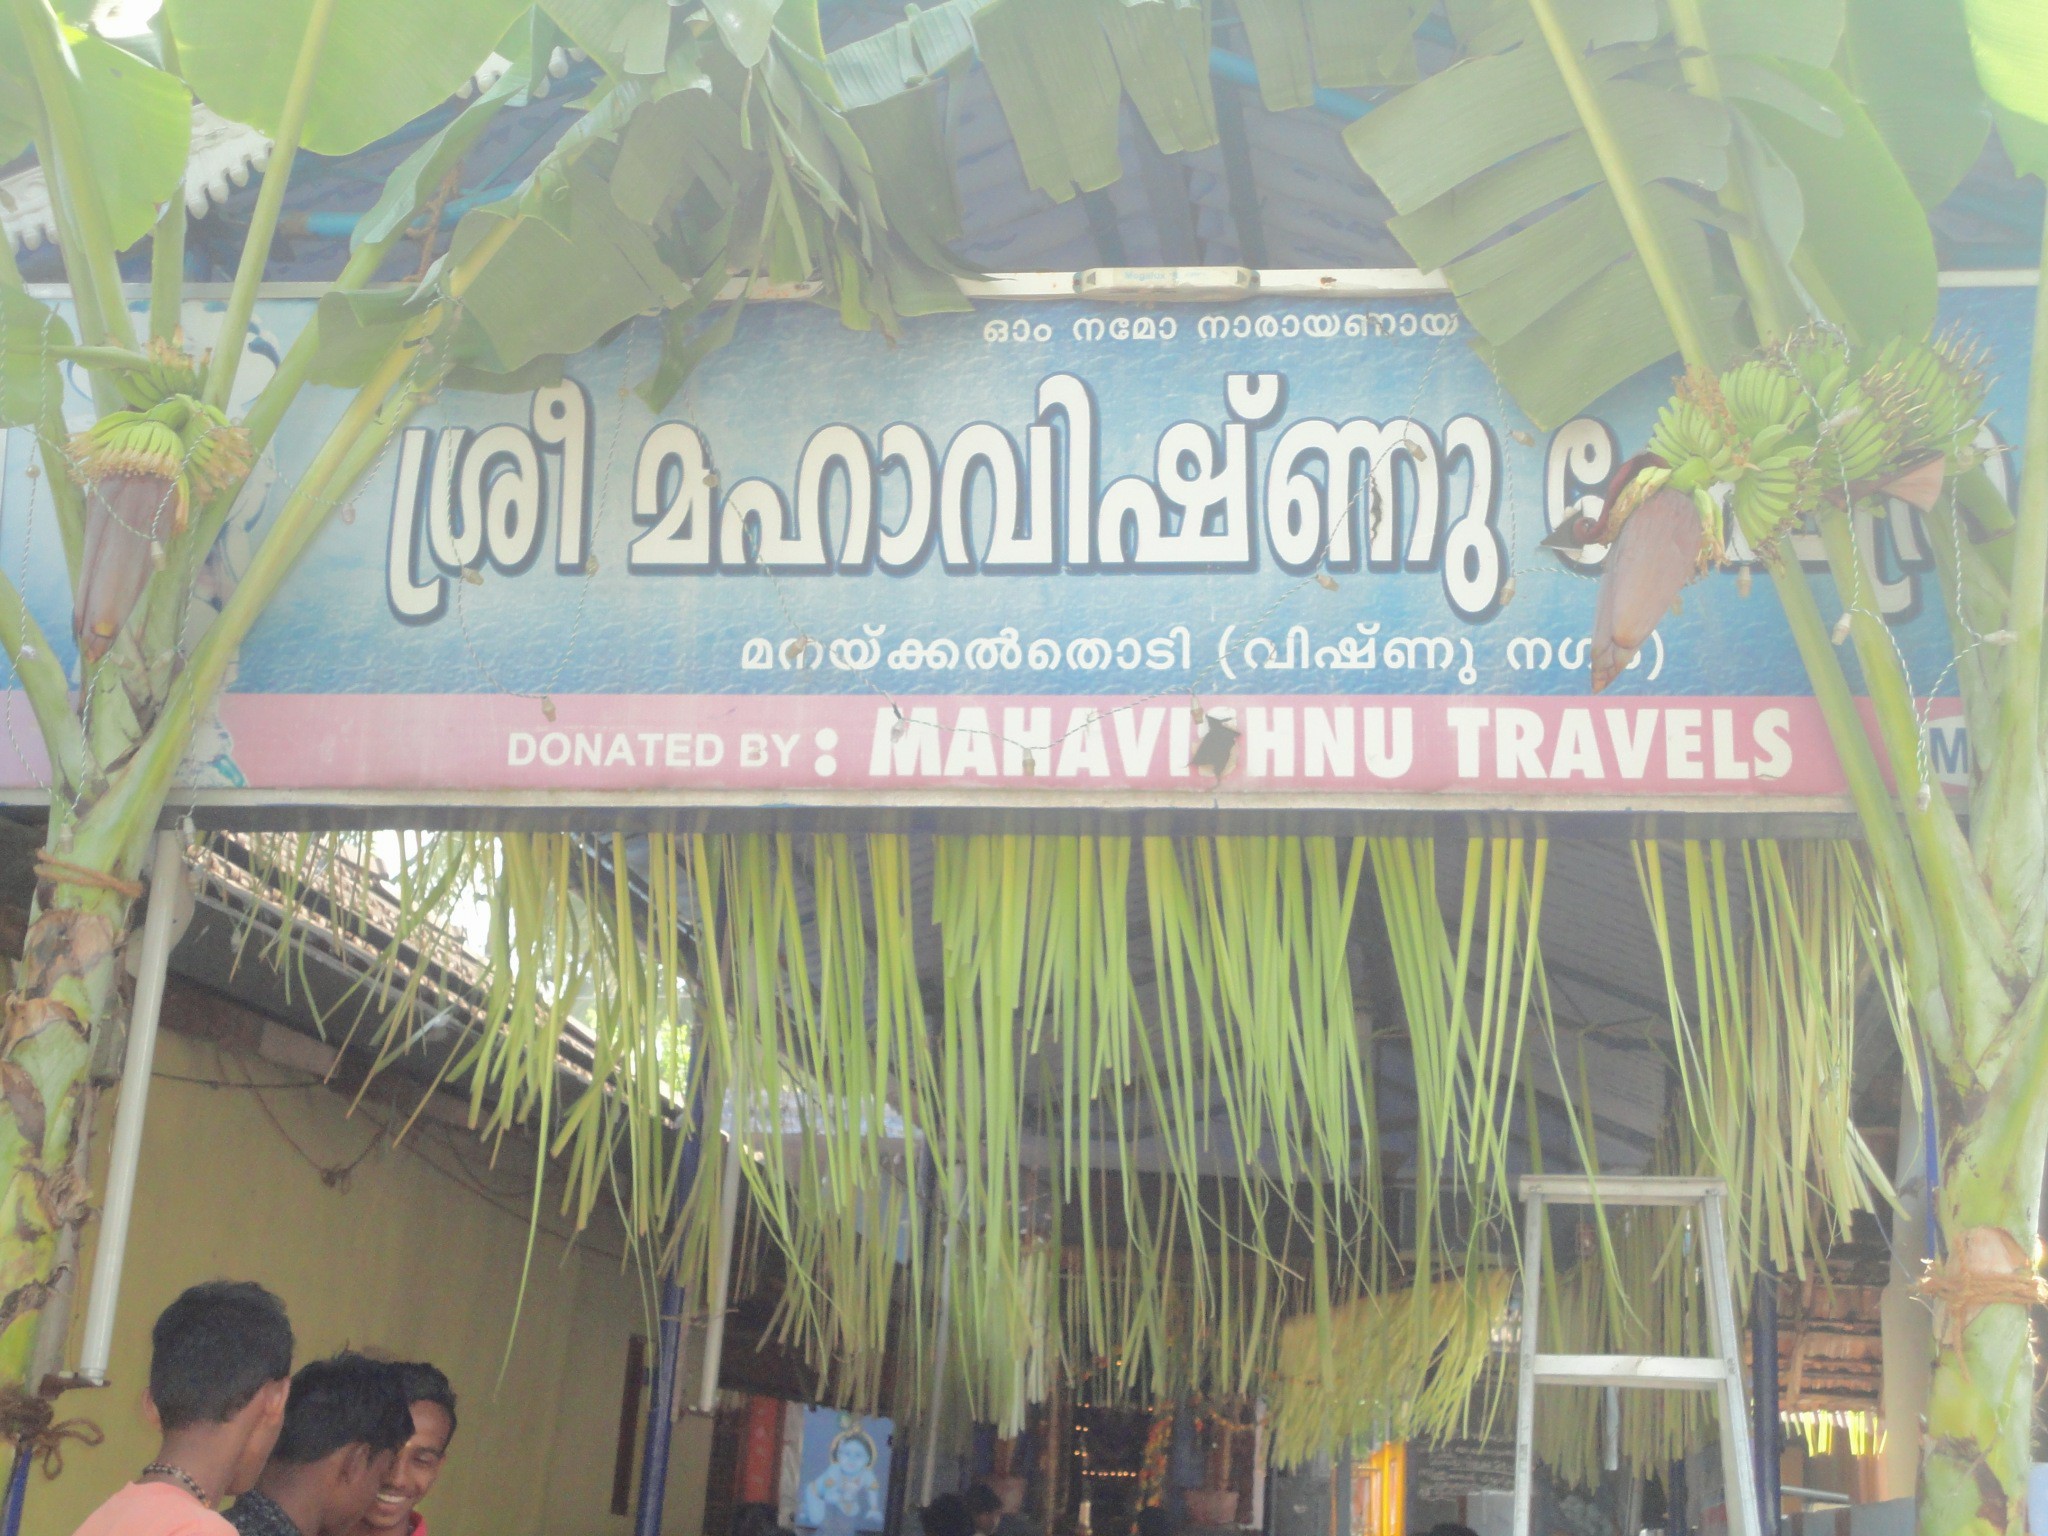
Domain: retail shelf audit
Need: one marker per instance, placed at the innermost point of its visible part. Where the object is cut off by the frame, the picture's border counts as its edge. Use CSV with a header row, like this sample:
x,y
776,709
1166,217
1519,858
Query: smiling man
x,y
412,1474
342,1431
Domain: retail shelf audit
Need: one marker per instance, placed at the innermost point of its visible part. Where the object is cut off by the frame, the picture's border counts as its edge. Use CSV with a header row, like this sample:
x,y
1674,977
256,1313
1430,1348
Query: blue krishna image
x,y
843,1486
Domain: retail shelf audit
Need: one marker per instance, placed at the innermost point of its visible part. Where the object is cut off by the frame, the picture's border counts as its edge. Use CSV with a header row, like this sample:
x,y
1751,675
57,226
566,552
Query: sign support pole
x,y
668,1359
721,1270
945,1331
125,1157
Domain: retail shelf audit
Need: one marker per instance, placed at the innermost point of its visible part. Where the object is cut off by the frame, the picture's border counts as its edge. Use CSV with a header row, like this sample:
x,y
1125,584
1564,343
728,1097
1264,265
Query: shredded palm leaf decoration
x,y
1111,1113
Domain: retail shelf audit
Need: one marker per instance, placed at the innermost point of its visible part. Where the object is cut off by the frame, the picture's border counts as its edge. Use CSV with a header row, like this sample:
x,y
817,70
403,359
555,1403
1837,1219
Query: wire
x,y
221,1082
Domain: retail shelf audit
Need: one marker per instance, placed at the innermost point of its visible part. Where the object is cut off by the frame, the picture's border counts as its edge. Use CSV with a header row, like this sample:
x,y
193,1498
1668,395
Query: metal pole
x,y
931,1414
721,1272
668,1359
17,1491
1763,1386
125,1156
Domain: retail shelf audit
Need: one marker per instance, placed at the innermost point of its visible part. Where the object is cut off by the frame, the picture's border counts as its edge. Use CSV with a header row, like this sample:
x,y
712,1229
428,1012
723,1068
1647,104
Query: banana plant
x,y
713,141
1608,182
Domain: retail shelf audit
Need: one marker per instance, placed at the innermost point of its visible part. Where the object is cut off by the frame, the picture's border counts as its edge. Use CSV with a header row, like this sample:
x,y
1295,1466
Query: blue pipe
x,y
339,226
668,1359
1767,1431
1239,70
17,1492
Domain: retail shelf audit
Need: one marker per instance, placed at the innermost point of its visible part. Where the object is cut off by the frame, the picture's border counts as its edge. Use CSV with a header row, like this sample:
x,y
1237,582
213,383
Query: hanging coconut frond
x,y
1111,1110
1402,1365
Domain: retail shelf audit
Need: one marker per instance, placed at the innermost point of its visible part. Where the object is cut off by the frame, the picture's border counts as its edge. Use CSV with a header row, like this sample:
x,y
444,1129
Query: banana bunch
x,y
1805,421
180,440
1937,389
163,369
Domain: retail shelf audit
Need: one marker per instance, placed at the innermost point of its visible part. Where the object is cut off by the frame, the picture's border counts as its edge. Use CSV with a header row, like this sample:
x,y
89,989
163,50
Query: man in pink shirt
x,y
219,1373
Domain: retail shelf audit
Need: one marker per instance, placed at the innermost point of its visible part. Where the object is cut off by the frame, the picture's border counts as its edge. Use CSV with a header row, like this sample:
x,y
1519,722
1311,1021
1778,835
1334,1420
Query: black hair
x,y
983,1500
1154,1521
349,1400
1451,1528
426,1383
947,1515
215,1348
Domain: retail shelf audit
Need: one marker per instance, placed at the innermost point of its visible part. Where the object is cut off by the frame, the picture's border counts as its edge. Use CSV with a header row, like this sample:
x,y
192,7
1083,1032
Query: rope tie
x,y
1986,1268
31,1422
64,872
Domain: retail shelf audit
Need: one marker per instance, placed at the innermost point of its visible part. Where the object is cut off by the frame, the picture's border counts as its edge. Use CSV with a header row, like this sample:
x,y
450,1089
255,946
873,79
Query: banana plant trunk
x,y
66,988
1977,1446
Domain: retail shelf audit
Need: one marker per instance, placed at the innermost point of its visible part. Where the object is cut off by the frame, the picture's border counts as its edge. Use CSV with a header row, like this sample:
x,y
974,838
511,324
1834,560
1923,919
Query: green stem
x,y
167,267
67,173
227,356
1672,297
2029,584
1873,802
85,304
118,359
261,424
269,407
1761,276
43,681
1962,907
118,826
65,494
120,823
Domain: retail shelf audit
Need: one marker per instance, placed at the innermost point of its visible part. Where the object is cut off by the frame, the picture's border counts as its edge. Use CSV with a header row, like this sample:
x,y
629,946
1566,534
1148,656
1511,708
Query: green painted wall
x,y
418,1252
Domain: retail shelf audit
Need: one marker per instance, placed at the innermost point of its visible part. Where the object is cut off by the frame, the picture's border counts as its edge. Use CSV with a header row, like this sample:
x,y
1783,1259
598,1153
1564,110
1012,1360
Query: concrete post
x,y
1908,1326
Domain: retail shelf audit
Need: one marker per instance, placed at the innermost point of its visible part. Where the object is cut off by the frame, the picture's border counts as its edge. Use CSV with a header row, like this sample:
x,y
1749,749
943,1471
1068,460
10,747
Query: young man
x,y
219,1371
412,1474
342,1431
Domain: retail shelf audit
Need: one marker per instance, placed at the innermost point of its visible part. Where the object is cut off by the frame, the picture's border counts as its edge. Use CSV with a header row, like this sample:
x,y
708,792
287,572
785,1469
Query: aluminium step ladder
x,y
1719,1372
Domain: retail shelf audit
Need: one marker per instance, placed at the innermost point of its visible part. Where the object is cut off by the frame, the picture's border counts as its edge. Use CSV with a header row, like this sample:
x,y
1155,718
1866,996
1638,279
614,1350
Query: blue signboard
x,y
1042,549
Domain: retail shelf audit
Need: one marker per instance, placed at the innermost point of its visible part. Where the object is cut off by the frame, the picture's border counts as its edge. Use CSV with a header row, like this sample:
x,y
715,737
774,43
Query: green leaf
x,y
1607,332
1909,63
1493,26
356,331
385,61
746,26
685,342
1801,31
1162,53
913,173
1477,209
138,127
546,292
607,29
1749,80
29,378
1486,110
906,55
137,122
1299,45
1455,124
1866,254
1057,82
2010,40
2025,141
1512,283
537,374
690,138
413,182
